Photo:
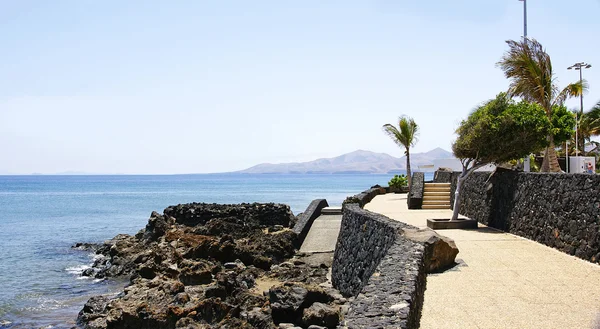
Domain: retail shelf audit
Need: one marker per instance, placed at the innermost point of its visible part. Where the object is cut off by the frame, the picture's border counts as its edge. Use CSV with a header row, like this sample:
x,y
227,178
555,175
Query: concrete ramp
x,y
324,232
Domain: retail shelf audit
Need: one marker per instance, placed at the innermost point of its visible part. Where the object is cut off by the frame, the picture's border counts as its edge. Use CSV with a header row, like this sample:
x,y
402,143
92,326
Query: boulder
x,y
92,308
156,227
286,302
319,314
289,300
258,318
195,272
440,251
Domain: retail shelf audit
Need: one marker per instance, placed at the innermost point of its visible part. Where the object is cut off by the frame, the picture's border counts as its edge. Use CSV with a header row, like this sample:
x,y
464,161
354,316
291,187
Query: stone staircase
x,y
436,196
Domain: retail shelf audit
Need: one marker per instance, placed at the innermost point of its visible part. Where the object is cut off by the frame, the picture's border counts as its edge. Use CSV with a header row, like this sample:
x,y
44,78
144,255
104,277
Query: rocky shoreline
x,y
213,266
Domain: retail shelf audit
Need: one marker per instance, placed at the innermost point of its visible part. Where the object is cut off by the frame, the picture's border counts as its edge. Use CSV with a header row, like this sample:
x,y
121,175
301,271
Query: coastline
x,y
51,213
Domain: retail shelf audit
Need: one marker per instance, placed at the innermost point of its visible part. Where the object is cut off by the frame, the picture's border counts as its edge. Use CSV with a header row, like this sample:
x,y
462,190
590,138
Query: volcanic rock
x,y
320,314
197,265
440,251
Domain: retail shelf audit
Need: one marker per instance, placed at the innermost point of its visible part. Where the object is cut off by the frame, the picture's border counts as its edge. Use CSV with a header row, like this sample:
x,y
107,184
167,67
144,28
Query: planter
x,y
444,224
399,190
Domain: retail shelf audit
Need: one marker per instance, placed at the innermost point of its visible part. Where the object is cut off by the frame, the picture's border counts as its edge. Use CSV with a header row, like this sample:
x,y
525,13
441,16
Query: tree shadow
x,y
501,193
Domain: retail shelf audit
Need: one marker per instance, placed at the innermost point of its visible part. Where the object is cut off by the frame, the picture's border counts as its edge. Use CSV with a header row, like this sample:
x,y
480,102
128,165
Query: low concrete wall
x,y
382,269
306,219
559,210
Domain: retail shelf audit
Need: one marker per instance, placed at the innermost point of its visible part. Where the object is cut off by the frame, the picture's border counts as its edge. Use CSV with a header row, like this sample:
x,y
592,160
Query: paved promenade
x,y
502,280
323,234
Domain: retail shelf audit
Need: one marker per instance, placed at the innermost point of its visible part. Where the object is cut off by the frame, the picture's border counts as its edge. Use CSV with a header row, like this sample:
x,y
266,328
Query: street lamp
x,y
524,19
579,66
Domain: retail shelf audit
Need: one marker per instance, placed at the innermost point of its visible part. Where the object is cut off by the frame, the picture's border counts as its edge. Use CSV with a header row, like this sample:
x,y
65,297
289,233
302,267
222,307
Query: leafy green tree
x,y
398,181
406,136
498,131
529,69
562,122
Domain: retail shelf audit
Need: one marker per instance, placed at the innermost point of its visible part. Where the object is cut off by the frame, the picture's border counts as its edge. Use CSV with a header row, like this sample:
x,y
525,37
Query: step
x,y
331,211
445,197
436,189
429,193
438,184
435,206
437,202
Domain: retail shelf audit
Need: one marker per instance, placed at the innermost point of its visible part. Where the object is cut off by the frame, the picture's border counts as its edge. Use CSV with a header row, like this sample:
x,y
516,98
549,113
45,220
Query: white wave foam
x,y
77,269
96,257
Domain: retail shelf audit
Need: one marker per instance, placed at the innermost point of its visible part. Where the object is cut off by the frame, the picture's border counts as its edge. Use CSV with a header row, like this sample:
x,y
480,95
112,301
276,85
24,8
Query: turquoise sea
x,y
41,217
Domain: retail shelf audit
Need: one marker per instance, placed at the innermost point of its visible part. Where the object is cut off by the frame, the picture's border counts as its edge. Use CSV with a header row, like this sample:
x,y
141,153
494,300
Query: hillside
x,y
354,162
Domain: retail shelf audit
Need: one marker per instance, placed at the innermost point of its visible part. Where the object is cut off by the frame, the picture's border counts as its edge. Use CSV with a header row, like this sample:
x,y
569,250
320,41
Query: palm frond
x,y
590,121
393,133
529,69
572,90
405,135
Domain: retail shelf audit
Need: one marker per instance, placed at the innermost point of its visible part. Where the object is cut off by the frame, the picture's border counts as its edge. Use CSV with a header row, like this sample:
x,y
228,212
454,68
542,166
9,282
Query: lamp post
x,y
524,19
579,66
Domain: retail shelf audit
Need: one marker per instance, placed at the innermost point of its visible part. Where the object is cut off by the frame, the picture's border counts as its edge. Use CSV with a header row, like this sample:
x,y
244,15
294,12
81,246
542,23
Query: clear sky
x,y
212,86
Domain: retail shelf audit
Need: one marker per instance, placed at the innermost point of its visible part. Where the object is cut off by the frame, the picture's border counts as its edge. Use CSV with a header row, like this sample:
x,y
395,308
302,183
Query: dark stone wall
x,y
385,272
393,298
365,197
306,219
363,241
559,210
442,176
415,195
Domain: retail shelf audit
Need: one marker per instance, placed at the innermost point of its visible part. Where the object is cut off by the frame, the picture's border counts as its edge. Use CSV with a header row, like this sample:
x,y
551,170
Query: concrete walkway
x,y
323,234
502,280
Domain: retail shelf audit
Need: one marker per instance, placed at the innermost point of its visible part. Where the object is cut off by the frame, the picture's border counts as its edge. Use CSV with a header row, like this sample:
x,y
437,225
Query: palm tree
x,y
588,125
529,69
405,136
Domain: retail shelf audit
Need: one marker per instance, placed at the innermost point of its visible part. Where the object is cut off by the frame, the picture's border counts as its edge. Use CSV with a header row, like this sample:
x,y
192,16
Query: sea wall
x,y
381,269
559,210
307,218
365,197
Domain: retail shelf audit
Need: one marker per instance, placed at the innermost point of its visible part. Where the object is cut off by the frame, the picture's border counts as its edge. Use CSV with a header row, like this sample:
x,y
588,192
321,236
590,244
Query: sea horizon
x,y
219,173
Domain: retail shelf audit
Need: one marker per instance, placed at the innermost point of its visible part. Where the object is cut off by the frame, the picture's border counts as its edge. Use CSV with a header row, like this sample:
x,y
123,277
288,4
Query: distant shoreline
x,y
221,173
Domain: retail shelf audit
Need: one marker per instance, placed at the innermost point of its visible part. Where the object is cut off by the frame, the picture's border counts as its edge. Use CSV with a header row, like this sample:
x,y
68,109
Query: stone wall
x,y
381,269
365,197
442,176
363,241
415,196
559,210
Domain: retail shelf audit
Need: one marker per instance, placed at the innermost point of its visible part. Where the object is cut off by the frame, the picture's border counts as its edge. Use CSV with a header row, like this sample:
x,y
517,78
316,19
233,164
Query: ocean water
x,y
41,217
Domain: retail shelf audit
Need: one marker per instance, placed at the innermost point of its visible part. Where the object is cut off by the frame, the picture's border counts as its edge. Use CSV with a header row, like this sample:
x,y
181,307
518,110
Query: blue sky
x,y
197,86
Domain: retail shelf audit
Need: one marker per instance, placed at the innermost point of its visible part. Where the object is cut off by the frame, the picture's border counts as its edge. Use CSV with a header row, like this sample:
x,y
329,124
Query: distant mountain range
x,y
363,162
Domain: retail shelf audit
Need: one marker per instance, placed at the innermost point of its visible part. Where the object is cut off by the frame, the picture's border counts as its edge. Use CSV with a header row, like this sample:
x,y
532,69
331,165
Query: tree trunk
x,y
408,168
550,163
459,183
